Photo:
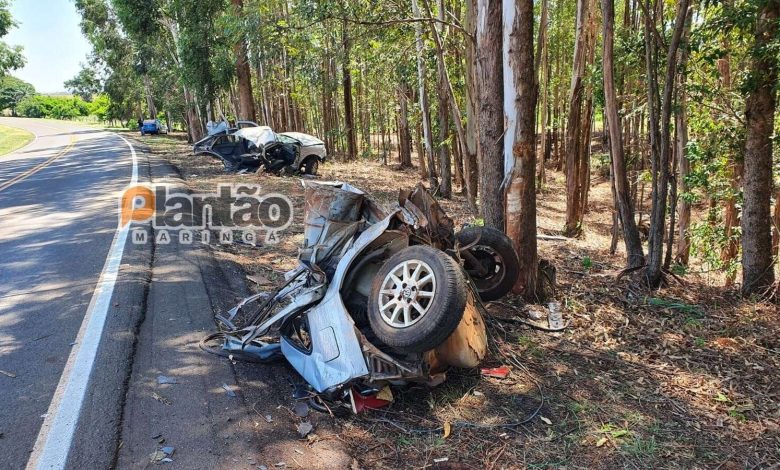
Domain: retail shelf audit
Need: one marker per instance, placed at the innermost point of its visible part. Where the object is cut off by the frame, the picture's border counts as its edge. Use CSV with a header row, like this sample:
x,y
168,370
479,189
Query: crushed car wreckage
x,y
377,297
249,147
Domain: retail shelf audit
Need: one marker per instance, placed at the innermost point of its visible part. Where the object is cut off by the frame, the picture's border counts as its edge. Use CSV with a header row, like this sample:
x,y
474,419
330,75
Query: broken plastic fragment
x,y
497,372
229,390
164,379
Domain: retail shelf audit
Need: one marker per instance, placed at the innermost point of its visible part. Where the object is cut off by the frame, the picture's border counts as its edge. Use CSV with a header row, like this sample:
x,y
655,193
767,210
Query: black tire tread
x,y
499,242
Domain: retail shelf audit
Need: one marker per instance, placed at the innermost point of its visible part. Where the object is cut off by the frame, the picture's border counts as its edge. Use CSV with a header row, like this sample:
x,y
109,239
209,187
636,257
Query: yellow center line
x,y
38,167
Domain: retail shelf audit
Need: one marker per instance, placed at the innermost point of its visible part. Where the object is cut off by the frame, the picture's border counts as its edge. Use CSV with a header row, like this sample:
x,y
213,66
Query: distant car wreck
x,y
248,147
377,297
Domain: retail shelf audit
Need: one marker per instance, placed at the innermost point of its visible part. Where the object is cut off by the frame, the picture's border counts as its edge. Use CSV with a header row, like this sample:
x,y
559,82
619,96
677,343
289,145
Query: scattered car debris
x,y
301,409
304,428
162,455
378,298
8,374
164,379
496,372
229,390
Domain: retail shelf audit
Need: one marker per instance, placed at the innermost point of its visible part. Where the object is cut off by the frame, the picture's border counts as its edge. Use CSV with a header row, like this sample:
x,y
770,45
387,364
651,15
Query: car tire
x,y
497,254
417,299
310,166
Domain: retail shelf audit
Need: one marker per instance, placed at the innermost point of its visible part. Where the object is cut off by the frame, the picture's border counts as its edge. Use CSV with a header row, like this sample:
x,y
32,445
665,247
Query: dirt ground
x,y
683,377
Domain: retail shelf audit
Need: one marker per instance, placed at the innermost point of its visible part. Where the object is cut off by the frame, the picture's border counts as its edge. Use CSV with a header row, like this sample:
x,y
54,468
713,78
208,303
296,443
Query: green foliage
x,y
12,91
11,57
53,107
100,107
85,84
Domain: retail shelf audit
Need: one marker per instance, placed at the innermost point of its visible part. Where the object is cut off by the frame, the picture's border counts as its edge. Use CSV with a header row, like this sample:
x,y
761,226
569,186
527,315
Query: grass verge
x,y
12,138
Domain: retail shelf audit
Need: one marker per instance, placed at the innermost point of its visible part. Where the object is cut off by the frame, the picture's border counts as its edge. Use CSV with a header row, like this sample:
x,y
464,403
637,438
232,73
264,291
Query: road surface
x,y
58,213
89,321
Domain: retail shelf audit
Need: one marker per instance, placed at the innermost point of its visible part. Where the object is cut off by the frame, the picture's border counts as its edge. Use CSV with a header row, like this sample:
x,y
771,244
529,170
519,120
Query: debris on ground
x,y
229,390
164,379
496,372
304,428
8,374
162,455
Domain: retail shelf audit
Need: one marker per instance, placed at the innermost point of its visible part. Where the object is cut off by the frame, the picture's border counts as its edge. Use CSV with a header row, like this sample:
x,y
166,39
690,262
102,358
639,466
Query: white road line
x,y
56,435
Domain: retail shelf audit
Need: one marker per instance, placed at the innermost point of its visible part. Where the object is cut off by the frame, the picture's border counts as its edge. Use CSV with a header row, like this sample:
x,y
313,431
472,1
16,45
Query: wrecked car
x,y
250,147
378,297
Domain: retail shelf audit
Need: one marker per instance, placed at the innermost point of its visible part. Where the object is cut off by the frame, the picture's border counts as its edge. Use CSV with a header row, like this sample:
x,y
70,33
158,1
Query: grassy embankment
x,y
12,138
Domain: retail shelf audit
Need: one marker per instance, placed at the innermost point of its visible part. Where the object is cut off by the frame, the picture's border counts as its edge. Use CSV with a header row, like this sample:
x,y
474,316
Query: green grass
x,y
12,138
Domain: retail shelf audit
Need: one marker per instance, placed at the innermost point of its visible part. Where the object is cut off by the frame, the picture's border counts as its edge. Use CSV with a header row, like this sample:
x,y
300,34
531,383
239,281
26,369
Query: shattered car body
x,y
249,146
330,314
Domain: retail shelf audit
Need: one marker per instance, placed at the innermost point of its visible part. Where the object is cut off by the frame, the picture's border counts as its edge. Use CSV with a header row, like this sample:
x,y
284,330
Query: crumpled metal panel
x,y
336,356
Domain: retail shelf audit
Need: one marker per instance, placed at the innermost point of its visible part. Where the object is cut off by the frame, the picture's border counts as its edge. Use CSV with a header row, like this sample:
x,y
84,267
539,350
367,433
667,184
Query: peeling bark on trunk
x,y
490,86
521,196
757,267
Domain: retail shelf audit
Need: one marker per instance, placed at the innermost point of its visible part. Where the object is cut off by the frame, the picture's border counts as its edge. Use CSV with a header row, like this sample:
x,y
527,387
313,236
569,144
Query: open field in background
x,y
683,377
12,139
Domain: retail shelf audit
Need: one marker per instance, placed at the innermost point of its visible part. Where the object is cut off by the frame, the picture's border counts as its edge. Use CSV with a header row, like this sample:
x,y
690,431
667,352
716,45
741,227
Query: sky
x,y
53,45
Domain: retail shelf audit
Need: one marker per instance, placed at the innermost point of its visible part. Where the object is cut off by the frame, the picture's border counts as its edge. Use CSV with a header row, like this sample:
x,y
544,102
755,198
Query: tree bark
x,y
445,164
521,196
660,168
423,99
349,113
684,167
246,100
490,86
404,136
757,266
574,143
634,253
456,114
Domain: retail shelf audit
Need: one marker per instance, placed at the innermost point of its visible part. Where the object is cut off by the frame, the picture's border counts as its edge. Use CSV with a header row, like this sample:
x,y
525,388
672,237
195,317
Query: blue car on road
x,y
153,126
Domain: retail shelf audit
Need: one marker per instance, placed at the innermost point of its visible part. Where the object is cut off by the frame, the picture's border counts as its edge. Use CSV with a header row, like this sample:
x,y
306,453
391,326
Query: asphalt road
x,y
58,221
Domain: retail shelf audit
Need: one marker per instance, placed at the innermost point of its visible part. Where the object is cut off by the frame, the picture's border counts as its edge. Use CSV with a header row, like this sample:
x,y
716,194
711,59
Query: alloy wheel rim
x,y
407,293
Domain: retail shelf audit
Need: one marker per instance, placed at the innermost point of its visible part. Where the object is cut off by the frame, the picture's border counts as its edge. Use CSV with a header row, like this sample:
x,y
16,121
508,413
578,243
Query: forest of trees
x,y
673,101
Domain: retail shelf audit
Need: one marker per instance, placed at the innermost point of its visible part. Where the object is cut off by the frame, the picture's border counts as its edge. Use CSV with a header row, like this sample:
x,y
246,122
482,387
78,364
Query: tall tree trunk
x,y
149,97
423,99
757,266
574,142
521,196
634,253
541,64
472,121
246,99
445,164
661,155
404,136
452,103
684,167
490,86
349,112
